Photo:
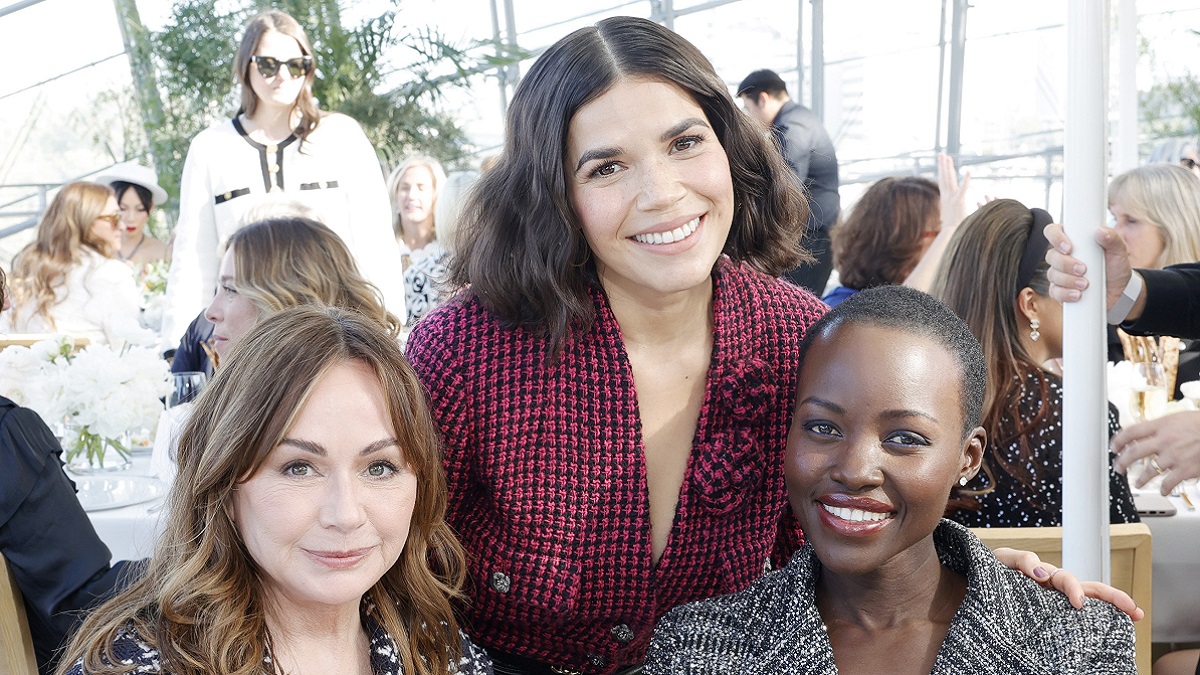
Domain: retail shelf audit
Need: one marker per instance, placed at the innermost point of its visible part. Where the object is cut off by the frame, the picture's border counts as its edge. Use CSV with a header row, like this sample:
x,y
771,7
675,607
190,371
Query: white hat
x,y
132,172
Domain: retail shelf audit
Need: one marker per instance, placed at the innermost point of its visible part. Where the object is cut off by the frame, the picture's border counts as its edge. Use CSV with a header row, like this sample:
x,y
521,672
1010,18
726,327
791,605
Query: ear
x,y
1027,304
972,455
760,99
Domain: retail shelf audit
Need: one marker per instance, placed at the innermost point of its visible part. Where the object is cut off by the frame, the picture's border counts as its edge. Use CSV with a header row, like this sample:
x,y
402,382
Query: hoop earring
x,y
1033,330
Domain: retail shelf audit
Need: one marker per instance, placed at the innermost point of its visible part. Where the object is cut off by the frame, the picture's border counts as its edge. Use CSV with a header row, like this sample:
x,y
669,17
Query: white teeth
x,y
856,515
678,234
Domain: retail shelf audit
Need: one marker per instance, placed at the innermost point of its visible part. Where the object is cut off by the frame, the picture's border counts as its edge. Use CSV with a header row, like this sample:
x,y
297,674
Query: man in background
x,y
809,151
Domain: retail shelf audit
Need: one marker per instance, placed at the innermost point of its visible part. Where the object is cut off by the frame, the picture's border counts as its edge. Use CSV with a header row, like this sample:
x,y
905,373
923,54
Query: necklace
x,y
132,253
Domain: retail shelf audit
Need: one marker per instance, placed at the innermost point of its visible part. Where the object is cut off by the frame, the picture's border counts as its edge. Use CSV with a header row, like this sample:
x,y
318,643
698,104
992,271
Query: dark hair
x,y
523,252
310,114
883,238
910,310
120,187
1,287
989,245
763,81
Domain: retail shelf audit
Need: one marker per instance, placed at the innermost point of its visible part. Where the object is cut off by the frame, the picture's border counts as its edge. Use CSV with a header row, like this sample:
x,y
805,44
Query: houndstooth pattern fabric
x,y
547,473
1006,625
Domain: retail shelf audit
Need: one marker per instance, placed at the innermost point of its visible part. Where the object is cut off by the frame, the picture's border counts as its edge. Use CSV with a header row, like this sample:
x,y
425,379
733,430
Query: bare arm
x,y
953,211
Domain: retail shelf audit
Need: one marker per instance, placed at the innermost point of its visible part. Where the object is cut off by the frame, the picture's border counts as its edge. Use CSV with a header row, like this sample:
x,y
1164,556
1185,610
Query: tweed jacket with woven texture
x,y
547,475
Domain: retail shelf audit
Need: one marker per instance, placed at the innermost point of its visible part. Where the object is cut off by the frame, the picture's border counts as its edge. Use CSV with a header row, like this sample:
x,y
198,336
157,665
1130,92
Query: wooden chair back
x,y
1130,566
27,339
16,643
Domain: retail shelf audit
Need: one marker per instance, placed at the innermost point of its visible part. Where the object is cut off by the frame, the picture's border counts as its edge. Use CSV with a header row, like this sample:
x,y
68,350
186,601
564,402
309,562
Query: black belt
x,y
511,664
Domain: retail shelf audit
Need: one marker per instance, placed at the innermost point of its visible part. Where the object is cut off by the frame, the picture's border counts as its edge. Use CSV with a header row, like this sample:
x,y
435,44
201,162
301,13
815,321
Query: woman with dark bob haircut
x,y
614,387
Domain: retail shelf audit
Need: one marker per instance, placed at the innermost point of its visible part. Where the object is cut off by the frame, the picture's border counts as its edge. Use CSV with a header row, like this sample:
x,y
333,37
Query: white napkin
x,y
166,441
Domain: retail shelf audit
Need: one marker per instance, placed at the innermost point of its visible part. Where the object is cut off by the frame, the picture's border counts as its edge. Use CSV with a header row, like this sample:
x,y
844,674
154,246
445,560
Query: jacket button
x,y
501,582
596,660
622,633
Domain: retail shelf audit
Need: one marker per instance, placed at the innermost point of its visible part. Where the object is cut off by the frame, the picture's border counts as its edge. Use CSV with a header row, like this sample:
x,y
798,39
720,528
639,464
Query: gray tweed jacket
x,y
1007,624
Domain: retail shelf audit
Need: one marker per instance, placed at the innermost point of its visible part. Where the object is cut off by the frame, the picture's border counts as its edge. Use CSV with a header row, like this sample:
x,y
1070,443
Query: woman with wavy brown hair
x,y
993,275
67,281
278,142
885,235
305,531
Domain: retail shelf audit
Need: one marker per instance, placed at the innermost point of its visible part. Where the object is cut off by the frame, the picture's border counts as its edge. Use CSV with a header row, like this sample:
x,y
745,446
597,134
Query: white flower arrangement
x,y
99,393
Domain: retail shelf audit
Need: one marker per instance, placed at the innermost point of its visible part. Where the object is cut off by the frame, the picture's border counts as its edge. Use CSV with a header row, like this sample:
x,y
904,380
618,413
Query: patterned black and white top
x,y
425,279
142,657
1030,495
1007,624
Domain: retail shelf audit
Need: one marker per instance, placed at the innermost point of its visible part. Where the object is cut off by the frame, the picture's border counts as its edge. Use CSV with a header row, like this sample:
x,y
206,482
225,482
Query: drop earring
x,y
1034,325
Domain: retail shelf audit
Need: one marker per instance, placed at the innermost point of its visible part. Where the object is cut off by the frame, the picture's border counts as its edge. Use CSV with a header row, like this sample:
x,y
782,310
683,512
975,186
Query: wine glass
x,y
187,386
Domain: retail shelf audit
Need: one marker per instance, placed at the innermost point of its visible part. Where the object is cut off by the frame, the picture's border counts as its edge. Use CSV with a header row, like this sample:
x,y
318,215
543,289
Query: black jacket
x,y
59,563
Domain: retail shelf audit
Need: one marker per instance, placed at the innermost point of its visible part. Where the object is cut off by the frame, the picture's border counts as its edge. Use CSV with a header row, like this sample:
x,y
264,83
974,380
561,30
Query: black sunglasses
x,y
268,66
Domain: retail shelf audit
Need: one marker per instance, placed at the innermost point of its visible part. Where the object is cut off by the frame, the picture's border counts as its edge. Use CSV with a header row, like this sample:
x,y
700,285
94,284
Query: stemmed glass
x,y
187,386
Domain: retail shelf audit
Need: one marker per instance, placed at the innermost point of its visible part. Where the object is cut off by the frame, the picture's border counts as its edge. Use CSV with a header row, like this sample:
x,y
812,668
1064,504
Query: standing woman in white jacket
x,y
279,141
66,280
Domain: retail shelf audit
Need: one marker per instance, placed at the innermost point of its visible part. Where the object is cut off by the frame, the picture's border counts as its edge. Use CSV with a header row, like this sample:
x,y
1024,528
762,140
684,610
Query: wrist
x,y
1129,301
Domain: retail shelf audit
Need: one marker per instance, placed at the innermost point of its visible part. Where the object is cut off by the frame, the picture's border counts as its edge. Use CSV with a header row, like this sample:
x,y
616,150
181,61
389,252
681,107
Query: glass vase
x,y
89,453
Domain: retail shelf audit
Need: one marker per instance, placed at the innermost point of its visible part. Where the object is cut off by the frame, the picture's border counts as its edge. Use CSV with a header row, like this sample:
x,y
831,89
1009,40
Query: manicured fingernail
x,y
1074,295
1064,247
1079,268
1081,284
1040,572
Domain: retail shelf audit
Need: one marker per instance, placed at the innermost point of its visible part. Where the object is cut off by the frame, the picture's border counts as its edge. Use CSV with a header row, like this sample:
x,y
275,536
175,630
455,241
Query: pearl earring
x,y
963,481
1033,330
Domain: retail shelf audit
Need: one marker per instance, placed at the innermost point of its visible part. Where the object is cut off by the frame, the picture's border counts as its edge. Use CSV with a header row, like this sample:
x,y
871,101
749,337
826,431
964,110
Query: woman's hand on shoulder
x,y
1066,583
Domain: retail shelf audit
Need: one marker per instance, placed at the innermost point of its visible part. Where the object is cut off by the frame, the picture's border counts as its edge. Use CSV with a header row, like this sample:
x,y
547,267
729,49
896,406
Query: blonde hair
x,y
62,237
201,602
393,183
1168,197
285,262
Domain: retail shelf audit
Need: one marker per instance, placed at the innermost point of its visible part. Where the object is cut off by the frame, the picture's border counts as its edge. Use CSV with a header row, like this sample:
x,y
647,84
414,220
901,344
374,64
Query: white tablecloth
x,y
1176,541
130,531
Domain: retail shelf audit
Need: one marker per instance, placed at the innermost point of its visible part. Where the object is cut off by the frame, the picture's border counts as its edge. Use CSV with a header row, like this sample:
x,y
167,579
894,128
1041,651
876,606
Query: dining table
x,y
124,506
1176,570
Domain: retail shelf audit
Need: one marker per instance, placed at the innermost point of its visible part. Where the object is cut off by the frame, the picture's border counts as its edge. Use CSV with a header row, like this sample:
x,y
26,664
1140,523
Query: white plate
x,y
100,493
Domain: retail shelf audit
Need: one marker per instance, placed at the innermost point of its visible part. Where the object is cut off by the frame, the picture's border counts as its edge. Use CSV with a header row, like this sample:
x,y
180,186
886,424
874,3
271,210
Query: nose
x,y
858,467
660,187
212,312
342,506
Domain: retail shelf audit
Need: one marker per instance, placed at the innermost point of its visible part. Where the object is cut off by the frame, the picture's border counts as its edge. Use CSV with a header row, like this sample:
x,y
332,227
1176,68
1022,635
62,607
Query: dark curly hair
x,y
523,252
883,238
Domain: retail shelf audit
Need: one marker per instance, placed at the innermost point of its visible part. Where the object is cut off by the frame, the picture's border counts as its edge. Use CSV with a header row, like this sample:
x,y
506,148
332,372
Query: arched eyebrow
x,y
606,153
894,414
319,450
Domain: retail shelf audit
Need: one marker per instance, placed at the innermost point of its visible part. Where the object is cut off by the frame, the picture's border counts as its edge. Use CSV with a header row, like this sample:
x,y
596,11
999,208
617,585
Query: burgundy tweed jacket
x,y
547,475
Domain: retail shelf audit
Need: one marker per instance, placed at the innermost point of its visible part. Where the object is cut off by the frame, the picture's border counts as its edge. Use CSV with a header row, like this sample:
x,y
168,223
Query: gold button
x,y
272,148
273,168
228,196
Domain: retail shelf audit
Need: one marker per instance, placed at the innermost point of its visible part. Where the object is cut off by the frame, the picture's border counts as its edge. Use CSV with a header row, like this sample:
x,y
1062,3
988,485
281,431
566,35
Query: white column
x,y
1125,149
1085,442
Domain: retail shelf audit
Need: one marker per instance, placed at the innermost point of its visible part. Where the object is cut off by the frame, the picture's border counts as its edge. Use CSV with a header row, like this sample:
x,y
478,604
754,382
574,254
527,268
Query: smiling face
x,y
328,512
650,183
415,196
280,90
232,314
1142,238
106,230
876,445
